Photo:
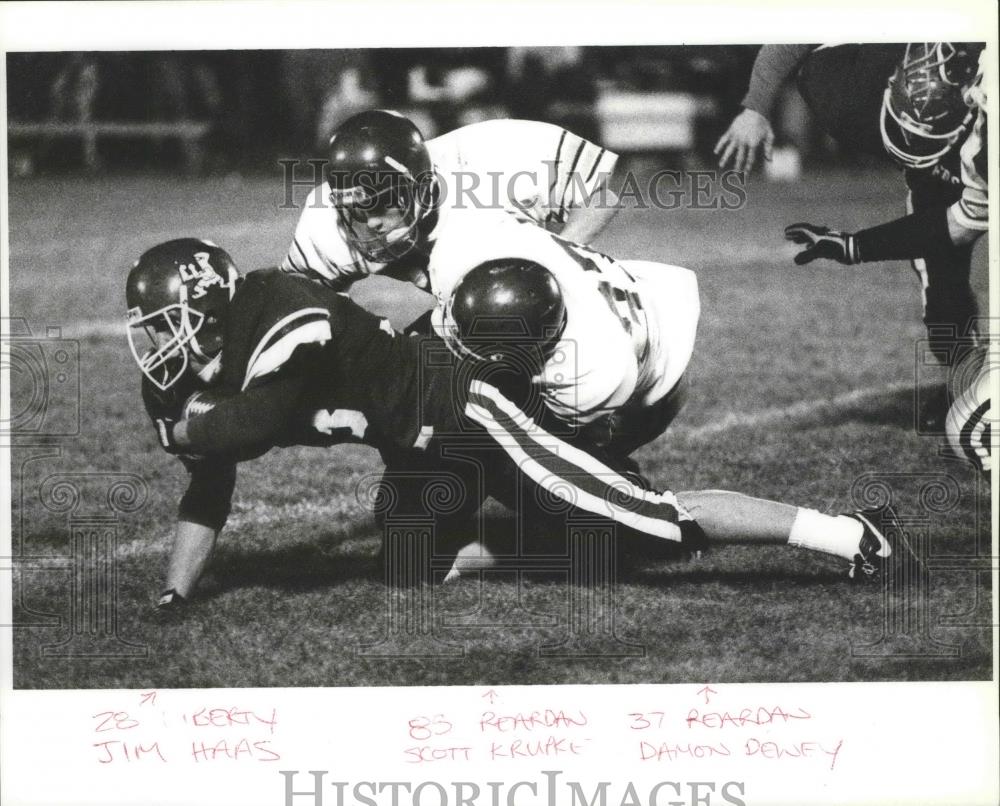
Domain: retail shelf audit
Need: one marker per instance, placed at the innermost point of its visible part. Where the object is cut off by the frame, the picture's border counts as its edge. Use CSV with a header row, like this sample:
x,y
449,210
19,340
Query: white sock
x,y
831,534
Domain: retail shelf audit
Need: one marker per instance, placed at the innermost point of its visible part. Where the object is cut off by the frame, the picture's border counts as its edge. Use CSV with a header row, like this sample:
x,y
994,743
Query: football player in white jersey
x,y
615,364
387,190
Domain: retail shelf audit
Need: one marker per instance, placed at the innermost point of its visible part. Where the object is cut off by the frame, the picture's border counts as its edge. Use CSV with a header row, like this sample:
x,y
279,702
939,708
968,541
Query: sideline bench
x,y
189,132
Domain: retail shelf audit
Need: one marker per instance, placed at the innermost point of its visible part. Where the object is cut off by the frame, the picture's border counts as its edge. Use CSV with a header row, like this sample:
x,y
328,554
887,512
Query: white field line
x,y
41,248
779,414
333,514
107,329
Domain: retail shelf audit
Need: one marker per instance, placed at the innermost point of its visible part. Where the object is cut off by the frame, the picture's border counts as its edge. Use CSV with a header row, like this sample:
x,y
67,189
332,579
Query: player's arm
x,y
411,268
202,513
317,245
192,549
241,422
750,133
921,234
587,220
578,194
281,347
918,235
203,509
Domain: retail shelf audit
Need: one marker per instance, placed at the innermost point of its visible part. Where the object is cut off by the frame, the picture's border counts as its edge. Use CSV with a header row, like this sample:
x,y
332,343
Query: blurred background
x,y
239,111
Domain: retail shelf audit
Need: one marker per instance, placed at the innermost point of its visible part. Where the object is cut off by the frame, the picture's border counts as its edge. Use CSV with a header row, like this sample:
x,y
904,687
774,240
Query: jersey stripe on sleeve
x,y
303,261
569,179
305,326
557,163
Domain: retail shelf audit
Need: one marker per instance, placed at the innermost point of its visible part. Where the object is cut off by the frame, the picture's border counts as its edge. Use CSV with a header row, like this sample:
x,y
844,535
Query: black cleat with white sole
x,y
884,543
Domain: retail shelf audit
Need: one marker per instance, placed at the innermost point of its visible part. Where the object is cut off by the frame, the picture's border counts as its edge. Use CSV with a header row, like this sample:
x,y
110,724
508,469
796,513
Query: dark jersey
x,y
307,365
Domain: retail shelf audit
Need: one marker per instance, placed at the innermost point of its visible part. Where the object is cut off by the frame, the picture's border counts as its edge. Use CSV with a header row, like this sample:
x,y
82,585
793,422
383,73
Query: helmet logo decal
x,y
202,271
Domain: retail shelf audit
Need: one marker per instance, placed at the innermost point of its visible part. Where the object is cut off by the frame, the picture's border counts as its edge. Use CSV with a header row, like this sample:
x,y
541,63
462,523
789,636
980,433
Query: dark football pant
x,y
440,491
950,307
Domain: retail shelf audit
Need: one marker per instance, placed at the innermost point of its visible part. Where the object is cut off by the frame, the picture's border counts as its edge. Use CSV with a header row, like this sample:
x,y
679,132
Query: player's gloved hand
x,y
822,242
170,606
162,402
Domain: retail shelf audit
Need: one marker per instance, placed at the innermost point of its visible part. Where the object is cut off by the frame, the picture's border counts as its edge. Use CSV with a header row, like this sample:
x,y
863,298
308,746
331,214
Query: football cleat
x,y
883,541
170,607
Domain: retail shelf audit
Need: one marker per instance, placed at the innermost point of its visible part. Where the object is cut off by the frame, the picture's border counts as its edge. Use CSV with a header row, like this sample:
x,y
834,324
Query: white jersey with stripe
x,y
972,210
630,326
537,169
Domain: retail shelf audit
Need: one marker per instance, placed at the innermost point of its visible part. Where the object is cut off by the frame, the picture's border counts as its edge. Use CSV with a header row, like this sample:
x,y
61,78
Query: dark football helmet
x,y
178,294
381,181
502,308
924,108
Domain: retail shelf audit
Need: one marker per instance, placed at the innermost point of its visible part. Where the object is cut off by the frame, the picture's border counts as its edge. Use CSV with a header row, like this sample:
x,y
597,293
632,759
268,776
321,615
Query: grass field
x,y
803,384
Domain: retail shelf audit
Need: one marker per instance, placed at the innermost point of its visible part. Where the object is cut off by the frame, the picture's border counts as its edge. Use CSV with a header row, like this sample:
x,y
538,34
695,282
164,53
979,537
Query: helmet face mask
x,y
381,182
382,224
168,331
924,110
178,295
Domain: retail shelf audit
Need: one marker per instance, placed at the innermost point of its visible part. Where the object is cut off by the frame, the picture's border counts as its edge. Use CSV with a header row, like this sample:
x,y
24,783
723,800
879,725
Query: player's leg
x,y
635,424
419,491
863,539
950,306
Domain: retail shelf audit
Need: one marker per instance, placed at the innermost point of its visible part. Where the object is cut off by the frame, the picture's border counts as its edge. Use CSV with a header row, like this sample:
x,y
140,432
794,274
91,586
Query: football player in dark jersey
x,y
921,104
235,366
932,121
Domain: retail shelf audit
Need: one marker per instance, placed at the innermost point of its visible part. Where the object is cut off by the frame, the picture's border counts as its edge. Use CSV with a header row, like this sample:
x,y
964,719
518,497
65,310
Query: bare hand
x,y
742,141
